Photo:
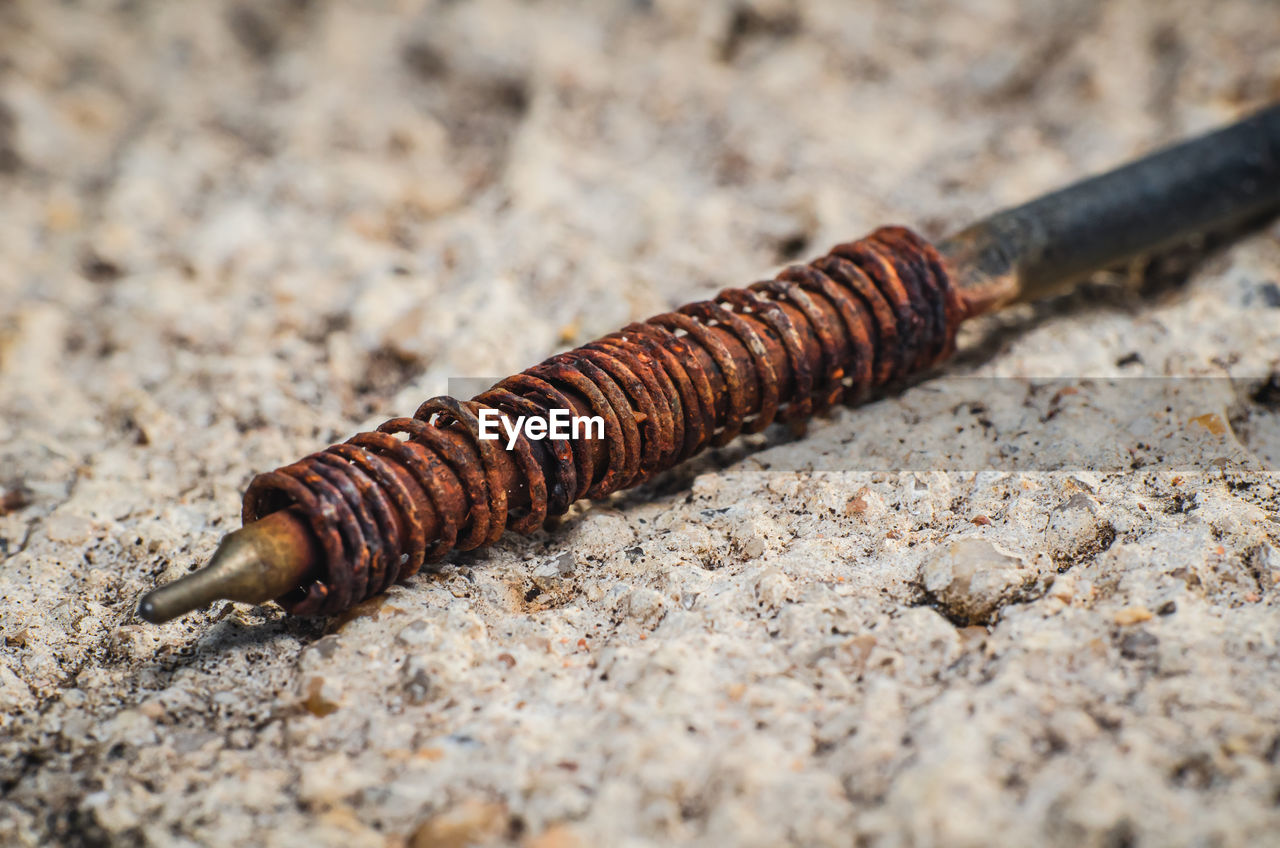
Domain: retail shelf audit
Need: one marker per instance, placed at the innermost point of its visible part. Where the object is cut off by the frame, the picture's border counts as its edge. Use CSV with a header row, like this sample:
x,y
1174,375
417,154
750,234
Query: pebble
x,y
1132,615
71,529
772,588
971,579
471,822
1077,531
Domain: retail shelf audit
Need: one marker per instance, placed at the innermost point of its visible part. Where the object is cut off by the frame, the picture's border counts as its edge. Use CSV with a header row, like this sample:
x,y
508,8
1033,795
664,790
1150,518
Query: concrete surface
x,y
233,232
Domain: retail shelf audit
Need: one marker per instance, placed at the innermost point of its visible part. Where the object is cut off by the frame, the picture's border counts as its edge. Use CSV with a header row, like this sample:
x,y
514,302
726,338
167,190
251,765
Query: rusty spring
x,y
868,313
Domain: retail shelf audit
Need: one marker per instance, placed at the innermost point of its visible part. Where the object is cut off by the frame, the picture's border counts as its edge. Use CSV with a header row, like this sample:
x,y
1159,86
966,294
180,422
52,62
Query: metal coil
x,y
380,505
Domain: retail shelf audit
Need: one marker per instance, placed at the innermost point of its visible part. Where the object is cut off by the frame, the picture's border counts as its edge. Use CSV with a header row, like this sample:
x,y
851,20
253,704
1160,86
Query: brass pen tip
x,y
255,564
184,595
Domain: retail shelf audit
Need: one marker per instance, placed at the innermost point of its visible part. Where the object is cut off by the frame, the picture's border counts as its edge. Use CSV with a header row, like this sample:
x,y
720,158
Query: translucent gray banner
x,y
1032,424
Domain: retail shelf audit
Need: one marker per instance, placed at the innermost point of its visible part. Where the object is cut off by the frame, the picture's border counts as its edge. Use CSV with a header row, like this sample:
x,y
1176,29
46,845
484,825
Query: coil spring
x,y
867,313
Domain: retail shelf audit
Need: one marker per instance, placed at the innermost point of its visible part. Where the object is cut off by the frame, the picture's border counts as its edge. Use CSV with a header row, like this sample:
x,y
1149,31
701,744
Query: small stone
x,y
1270,294
72,529
1064,588
129,727
772,588
414,634
556,836
859,503
1212,422
473,822
1076,531
320,698
326,647
752,548
557,567
418,682
645,605
15,695
566,563
971,579
1139,645
1132,615
74,697
152,709
328,782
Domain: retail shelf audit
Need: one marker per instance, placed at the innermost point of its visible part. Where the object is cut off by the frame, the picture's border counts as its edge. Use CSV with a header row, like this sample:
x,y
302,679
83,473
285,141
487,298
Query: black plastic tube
x,y
1206,184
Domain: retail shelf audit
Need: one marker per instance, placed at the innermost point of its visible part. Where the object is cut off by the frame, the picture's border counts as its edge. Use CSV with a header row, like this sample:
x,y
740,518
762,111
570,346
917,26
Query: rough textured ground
x,y
230,233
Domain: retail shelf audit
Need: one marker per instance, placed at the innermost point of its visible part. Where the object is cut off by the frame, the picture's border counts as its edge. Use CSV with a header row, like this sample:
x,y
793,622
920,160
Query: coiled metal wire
x,y
383,503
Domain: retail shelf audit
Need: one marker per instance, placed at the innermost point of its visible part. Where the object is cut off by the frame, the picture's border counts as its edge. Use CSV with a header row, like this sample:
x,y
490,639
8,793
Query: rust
x,y
383,503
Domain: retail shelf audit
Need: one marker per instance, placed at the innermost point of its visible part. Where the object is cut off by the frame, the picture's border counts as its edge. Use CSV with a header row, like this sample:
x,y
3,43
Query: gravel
x,y
976,612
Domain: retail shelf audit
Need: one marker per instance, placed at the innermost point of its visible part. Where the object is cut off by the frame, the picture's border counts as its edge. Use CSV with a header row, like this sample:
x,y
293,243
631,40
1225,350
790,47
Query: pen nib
x,y
255,564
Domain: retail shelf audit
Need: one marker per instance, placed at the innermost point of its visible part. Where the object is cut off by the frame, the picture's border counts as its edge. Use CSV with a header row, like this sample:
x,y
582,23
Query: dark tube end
x,y
148,611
